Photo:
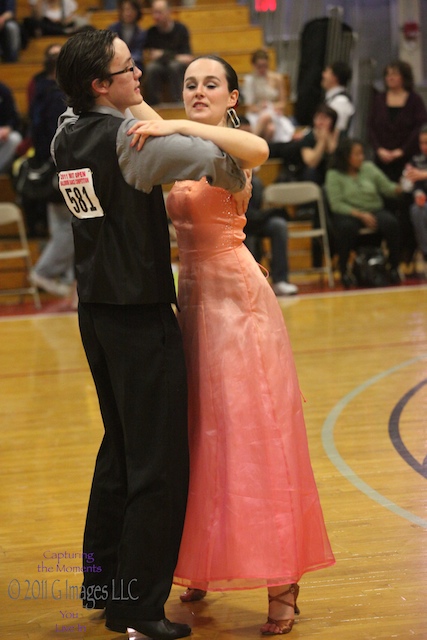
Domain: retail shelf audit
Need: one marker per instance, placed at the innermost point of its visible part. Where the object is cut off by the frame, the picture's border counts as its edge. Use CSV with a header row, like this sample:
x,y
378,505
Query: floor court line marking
x,y
395,436
337,460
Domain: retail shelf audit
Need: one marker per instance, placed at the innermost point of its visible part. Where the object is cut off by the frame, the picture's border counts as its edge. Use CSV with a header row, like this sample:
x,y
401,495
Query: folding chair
x,y
282,194
10,214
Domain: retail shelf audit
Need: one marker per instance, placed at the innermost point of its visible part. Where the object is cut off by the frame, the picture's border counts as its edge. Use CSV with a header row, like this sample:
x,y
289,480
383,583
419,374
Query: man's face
x,y
124,90
328,79
160,13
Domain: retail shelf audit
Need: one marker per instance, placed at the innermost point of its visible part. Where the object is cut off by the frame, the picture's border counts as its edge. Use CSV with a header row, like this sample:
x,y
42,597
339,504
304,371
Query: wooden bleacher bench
x,y
7,192
269,171
222,28
198,17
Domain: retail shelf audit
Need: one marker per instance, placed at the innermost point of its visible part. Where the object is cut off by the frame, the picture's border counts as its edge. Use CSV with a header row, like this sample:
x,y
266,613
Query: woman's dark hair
x,y
327,111
340,159
85,57
135,5
230,74
405,70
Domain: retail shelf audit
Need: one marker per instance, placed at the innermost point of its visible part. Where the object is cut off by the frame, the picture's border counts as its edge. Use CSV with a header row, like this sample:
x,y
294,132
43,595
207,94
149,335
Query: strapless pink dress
x,y
253,518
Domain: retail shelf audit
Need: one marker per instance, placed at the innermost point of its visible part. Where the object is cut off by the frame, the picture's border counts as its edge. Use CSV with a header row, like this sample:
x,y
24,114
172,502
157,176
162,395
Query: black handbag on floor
x,y
370,267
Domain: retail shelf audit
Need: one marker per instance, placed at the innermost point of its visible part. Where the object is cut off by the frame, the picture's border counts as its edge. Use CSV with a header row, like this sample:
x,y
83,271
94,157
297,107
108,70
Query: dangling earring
x,y
234,118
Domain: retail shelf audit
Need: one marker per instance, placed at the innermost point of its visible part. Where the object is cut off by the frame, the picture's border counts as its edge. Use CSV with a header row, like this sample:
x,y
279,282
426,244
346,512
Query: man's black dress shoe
x,y
156,629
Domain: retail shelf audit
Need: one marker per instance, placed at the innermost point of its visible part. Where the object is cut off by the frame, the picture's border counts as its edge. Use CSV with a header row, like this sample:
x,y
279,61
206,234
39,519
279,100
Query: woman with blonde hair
x,y
265,98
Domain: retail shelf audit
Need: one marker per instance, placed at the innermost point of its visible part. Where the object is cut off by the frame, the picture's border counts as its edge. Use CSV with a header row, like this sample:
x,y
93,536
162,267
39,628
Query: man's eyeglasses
x,y
130,69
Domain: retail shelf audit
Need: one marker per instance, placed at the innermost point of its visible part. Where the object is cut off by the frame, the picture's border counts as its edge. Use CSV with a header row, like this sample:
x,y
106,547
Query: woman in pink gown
x,y
253,517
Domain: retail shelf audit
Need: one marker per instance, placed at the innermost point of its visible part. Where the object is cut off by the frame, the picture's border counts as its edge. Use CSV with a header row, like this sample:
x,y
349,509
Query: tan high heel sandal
x,y
192,595
284,625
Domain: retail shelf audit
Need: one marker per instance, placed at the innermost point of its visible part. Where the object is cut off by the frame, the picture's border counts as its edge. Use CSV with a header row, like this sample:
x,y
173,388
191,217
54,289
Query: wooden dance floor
x,y
362,363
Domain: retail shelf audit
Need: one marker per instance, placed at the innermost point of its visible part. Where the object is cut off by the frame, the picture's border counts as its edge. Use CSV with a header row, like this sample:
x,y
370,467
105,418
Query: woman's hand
x,y
415,174
144,129
242,197
385,155
368,219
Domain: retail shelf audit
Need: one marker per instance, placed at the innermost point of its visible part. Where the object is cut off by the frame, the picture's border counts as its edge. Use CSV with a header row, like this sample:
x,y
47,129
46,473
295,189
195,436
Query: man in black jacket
x,y
128,328
168,49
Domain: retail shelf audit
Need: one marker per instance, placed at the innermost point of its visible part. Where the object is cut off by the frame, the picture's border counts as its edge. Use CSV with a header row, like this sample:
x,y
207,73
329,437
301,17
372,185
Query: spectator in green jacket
x,y
356,190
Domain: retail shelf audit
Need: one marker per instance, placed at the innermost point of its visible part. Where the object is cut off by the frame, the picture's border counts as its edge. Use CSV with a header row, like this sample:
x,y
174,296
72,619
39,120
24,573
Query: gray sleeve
x,y
65,118
168,158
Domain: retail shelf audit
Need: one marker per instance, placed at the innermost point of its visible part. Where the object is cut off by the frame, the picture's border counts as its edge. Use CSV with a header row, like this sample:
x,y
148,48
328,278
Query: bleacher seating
x,y
222,28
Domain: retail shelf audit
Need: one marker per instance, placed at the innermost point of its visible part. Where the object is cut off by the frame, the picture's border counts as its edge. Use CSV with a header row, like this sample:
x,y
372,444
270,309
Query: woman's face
x,y
322,121
393,78
128,13
356,157
261,67
206,95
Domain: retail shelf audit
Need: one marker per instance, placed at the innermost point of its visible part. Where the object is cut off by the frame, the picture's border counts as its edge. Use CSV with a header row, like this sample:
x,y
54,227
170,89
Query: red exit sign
x,y
265,5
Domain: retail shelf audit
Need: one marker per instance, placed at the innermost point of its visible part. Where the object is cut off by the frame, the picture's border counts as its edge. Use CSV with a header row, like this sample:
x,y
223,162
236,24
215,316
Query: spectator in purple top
x,y
395,119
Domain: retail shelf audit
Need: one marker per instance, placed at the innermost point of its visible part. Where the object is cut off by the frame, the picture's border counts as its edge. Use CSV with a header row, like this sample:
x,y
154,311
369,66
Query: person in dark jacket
x,y
10,34
54,270
169,53
10,137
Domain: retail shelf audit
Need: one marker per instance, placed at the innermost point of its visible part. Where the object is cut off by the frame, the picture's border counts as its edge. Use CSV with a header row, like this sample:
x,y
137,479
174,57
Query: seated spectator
x,y
307,158
49,58
419,220
395,118
415,182
10,138
168,49
55,18
269,224
335,78
318,145
264,97
355,190
10,34
35,210
130,12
